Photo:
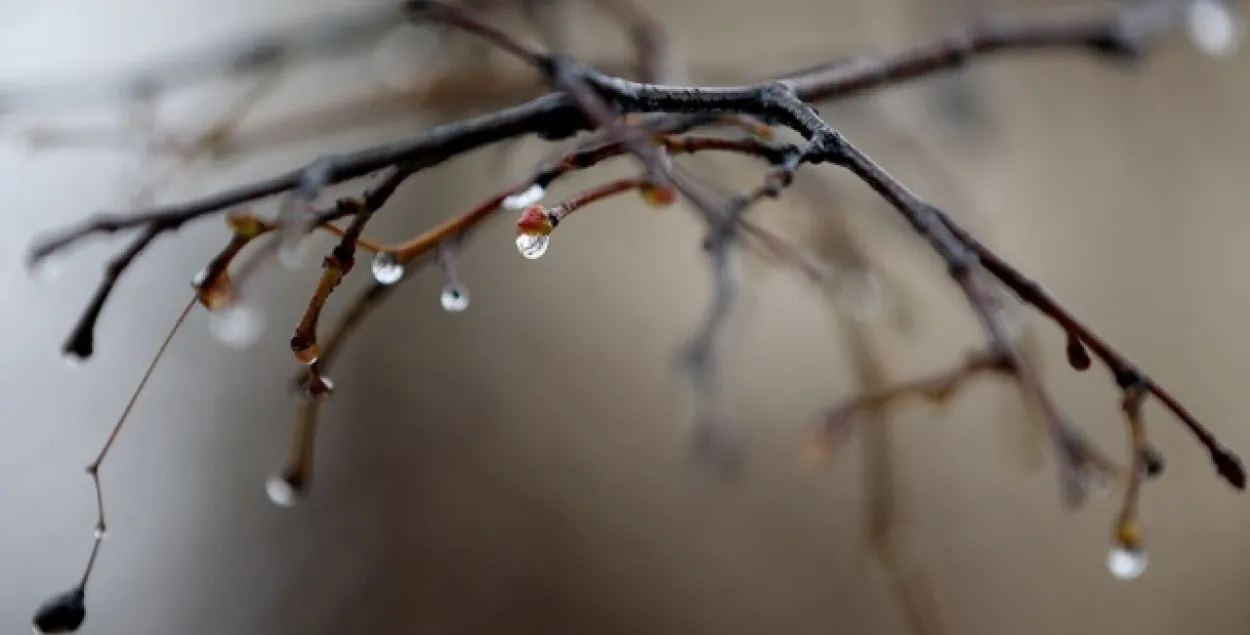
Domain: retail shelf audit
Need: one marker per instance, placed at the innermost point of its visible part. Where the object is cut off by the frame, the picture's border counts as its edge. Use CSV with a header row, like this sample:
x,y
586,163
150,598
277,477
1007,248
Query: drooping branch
x,y
592,99
554,116
644,119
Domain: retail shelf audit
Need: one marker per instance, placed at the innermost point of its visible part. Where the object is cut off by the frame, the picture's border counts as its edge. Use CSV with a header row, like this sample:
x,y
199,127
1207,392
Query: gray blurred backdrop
x,y
519,468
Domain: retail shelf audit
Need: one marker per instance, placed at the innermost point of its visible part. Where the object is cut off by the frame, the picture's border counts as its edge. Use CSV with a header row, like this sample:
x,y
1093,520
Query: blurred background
x,y
521,467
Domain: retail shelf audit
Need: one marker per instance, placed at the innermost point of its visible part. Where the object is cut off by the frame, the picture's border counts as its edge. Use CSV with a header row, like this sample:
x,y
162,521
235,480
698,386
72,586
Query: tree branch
x,y
643,120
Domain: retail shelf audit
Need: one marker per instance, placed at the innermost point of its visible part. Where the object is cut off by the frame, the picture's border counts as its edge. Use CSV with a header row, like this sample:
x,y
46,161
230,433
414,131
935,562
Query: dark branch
x,y
590,100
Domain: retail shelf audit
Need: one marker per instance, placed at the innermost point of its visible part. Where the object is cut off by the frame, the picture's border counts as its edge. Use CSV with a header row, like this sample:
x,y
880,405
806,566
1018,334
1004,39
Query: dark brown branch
x,y
81,342
1082,337
603,98
642,119
559,115
590,99
554,116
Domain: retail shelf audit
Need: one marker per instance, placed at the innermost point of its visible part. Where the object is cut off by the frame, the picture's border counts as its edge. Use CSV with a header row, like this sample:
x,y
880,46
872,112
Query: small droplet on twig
x,y
312,388
533,231
1127,563
454,298
308,353
62,613
387,268
73,359
283,491
238,325
1127,559
215,294
1213,27
523,199
1151,462
532,246
199,278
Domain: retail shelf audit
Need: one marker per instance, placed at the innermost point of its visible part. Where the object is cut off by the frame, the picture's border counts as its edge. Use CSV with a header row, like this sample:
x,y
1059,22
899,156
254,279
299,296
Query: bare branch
x,y
645,120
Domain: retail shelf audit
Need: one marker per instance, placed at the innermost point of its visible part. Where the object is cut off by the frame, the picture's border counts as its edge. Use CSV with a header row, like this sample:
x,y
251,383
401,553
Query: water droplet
x,y
1127,563
282,491
454,298
61,613
310,390
307,354
216,295
238,326
525,198
532,246
72,359
1213,27
387,269
99,533
1151,463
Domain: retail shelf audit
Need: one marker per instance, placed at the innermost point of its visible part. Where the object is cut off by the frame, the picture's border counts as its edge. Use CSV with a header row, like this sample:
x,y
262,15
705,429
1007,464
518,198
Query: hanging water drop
x,y
525,198
311,389
73,359
387,268
199,278
1127,563
454,298
1150,462
215,295
283,491
307,355
238,326
99,533
1213,27
532,246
